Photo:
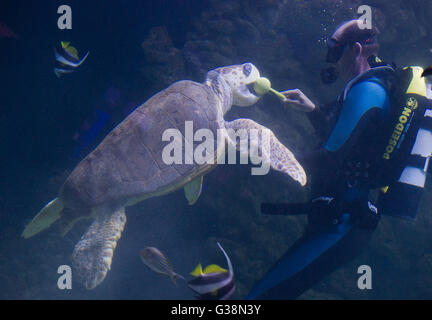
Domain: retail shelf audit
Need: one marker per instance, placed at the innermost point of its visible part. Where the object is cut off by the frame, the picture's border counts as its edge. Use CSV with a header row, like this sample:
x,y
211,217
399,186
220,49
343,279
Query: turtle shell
x,y
128,162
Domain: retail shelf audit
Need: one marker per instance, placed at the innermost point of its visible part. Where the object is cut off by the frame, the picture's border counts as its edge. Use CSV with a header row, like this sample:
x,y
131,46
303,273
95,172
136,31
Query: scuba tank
x,y
405,157
402,164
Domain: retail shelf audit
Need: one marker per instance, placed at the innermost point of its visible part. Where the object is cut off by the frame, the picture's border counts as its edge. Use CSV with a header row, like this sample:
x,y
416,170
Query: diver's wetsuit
x,y
340,224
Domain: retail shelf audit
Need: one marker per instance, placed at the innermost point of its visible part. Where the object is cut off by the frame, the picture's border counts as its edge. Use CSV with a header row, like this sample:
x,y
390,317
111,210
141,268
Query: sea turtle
x,y
128,166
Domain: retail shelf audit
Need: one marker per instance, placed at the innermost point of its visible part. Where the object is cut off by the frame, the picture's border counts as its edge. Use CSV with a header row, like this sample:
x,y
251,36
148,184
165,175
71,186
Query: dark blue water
x,y
42,119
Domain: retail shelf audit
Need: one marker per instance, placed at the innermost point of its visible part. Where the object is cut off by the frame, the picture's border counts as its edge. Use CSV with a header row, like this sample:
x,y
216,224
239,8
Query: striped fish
x,y
159,263
67,60
214,282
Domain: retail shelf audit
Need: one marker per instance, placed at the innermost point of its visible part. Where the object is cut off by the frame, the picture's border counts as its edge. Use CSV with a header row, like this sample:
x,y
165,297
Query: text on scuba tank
x,y
397,132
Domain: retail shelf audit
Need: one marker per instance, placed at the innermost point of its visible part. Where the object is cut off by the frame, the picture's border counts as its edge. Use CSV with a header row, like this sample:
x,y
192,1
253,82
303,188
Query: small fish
x,y
214,282
427,72
67,60
157,261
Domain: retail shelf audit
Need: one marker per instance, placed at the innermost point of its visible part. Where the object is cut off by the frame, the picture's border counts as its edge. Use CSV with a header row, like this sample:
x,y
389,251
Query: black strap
x,y
379,72
426,123
417,161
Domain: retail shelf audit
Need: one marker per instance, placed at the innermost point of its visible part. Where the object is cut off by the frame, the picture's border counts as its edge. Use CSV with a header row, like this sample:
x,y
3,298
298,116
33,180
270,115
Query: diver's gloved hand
x,y
298,100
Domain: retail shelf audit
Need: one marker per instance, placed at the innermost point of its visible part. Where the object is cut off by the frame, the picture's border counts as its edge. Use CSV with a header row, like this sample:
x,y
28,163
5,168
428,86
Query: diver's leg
x,y
323,248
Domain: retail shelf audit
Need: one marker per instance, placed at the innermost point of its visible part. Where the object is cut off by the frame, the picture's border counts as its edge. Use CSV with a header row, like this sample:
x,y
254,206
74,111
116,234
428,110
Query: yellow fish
x,y
66,45
214,282
212,268
67,60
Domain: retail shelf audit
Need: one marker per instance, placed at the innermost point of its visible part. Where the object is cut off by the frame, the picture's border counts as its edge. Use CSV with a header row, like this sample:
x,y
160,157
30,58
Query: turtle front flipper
x,y
93,254
193,190
280,157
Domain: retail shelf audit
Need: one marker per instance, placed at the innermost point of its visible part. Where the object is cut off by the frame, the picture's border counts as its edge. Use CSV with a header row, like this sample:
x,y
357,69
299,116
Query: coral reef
x,y
163,64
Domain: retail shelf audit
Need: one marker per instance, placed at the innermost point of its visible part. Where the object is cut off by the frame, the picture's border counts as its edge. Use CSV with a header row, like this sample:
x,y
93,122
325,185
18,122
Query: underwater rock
x,y
202,56
221,26
225,8
423,13
163,63
158,41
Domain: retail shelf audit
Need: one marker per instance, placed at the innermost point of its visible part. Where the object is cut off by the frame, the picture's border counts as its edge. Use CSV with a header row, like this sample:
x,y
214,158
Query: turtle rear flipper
x,y
93,254
47,216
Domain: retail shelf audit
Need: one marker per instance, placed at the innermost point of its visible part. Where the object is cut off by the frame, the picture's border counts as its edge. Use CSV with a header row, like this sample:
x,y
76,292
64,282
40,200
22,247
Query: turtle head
x,y
237,78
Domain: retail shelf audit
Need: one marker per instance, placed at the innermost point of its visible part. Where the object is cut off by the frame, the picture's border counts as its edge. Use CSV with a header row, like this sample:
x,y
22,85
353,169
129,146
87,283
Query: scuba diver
x,y
373,161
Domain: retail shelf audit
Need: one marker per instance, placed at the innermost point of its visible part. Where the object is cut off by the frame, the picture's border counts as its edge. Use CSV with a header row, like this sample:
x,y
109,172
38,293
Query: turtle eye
x,y
247,69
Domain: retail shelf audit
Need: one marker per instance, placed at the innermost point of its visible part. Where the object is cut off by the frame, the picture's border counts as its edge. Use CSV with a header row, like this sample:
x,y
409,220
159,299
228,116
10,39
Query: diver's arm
x,y
322,159
316,160
362,114
322,117
362,111
298,100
